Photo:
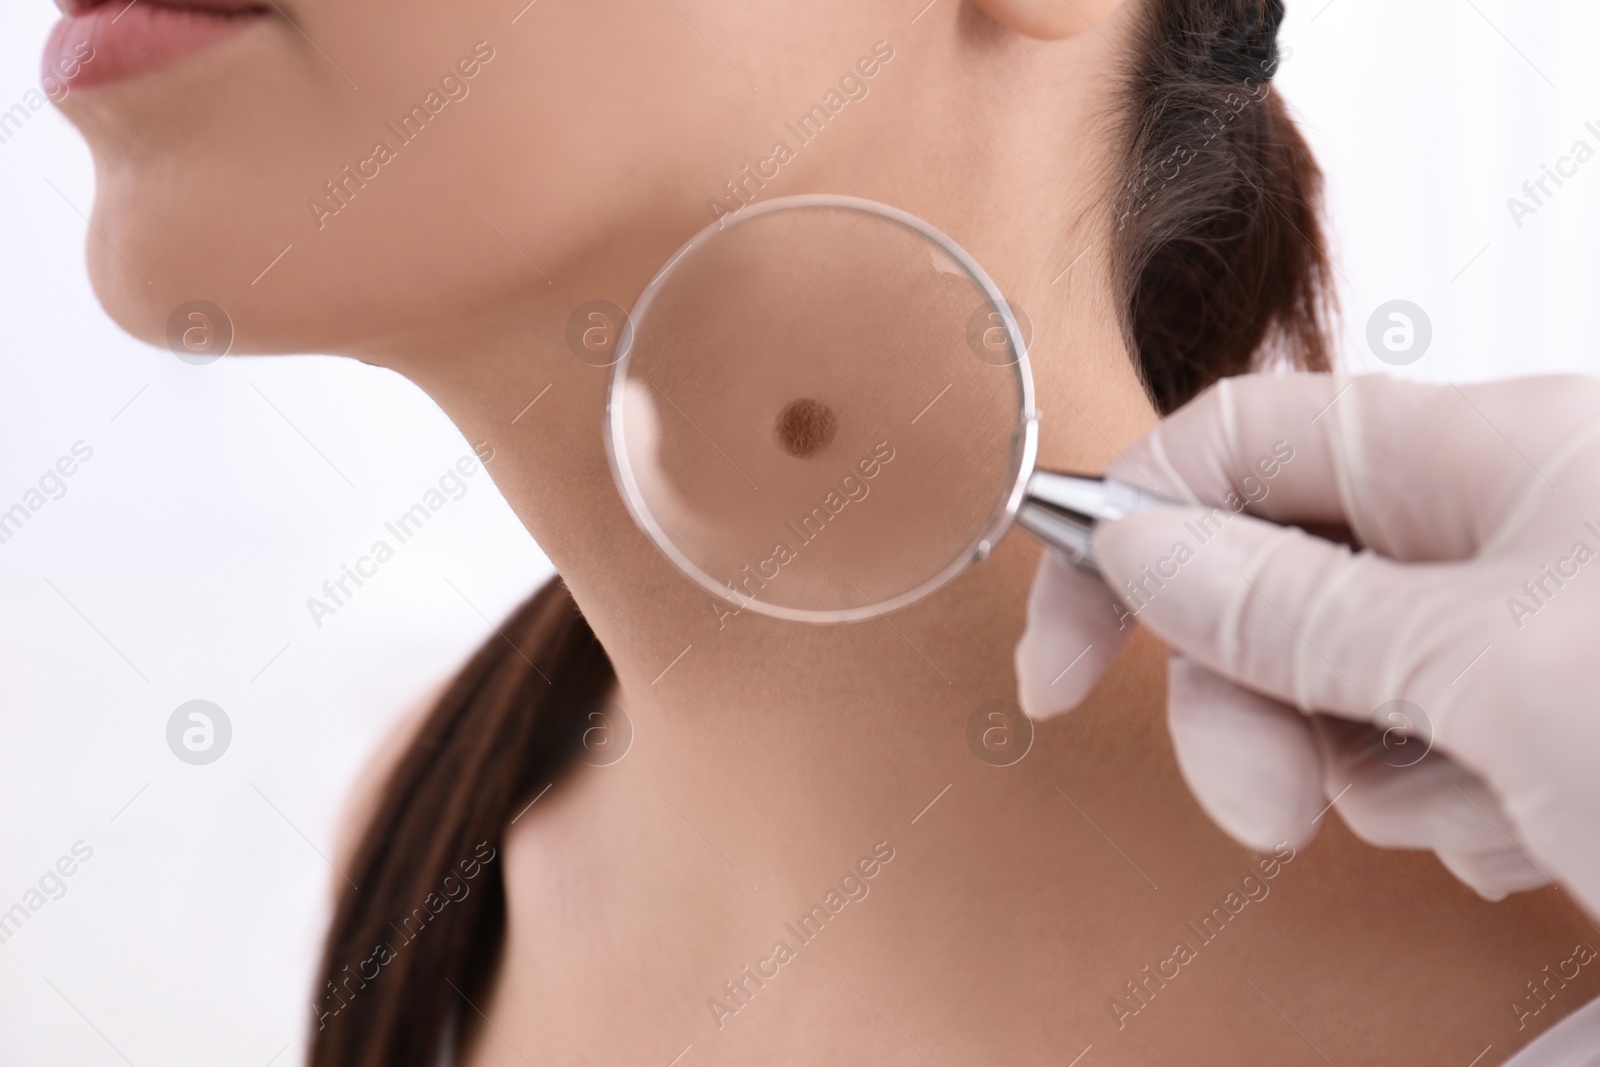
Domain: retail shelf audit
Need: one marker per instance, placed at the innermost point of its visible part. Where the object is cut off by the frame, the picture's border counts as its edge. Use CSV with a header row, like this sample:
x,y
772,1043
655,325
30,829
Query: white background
x,y
220,497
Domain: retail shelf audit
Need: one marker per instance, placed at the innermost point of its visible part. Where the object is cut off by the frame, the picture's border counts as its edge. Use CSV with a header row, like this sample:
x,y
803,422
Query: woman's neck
x,y
734,692
738,690
766,757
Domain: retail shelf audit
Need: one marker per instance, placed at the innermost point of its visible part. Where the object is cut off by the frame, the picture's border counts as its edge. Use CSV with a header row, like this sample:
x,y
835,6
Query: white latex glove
x,y
1476,598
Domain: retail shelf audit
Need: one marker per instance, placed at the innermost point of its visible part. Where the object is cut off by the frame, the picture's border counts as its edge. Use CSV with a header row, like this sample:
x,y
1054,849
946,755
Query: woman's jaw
x,y
537,165
344,171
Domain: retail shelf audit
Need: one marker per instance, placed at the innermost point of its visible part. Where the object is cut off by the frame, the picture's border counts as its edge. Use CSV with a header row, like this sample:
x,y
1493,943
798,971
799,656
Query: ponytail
x,y
424,930
1218,248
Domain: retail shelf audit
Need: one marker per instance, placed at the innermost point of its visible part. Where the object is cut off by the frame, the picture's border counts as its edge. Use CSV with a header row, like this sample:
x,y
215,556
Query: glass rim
x,y
1025,442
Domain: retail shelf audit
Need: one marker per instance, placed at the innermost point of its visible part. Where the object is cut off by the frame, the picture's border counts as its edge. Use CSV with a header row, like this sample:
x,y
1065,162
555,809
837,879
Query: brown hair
x,y
1218,248
1219,256
419,939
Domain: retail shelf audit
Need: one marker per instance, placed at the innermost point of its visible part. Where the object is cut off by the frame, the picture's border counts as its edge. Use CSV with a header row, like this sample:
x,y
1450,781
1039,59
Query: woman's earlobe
x,y
1049,20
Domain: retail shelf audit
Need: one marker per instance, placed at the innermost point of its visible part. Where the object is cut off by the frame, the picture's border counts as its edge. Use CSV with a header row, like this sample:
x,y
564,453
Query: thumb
x,y
1296,618
1075,628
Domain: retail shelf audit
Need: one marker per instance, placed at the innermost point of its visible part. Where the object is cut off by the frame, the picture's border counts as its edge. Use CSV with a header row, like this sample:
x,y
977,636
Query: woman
x,y
799,859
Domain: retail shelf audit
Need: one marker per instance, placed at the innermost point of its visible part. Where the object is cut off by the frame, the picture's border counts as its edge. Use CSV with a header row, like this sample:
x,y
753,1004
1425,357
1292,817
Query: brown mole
x,y
806,426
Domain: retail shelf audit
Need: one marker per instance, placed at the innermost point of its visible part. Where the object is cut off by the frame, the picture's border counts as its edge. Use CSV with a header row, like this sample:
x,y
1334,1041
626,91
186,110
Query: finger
x,y
1390,801
1287,615
1075,628
1293,617
1252,763
1495,874
1198,456
1383,457
1413,796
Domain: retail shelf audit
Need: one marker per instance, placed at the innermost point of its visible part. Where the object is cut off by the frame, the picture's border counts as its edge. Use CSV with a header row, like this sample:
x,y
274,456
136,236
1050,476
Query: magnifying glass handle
x,y
1062,510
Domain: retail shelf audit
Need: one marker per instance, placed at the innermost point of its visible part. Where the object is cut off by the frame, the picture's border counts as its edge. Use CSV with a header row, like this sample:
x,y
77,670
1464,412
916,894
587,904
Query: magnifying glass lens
x,y
820,414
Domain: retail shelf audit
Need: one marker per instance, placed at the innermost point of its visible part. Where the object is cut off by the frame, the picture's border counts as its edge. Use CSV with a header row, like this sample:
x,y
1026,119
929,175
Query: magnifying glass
x,y
822,410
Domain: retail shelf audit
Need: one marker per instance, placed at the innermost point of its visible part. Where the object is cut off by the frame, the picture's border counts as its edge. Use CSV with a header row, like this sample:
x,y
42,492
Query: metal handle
x,y
1062,510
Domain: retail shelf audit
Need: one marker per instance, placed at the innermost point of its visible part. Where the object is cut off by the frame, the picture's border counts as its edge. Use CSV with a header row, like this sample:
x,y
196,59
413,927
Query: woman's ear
x,y
1050,20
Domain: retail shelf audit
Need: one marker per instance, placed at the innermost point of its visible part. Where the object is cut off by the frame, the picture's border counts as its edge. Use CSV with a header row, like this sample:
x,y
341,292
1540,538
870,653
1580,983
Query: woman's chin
x,y
128,296
181,312
189,276
140,283
193,260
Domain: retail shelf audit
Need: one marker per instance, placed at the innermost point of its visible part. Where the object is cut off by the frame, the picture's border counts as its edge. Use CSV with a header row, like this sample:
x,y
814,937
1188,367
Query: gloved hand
x,y
1440,687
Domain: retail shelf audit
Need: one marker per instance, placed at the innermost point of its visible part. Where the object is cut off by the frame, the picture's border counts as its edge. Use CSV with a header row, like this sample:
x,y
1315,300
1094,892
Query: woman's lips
x,y
102,42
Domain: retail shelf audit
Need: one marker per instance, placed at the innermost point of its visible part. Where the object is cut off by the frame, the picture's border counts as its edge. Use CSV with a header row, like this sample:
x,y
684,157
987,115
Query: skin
x,y
772,755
